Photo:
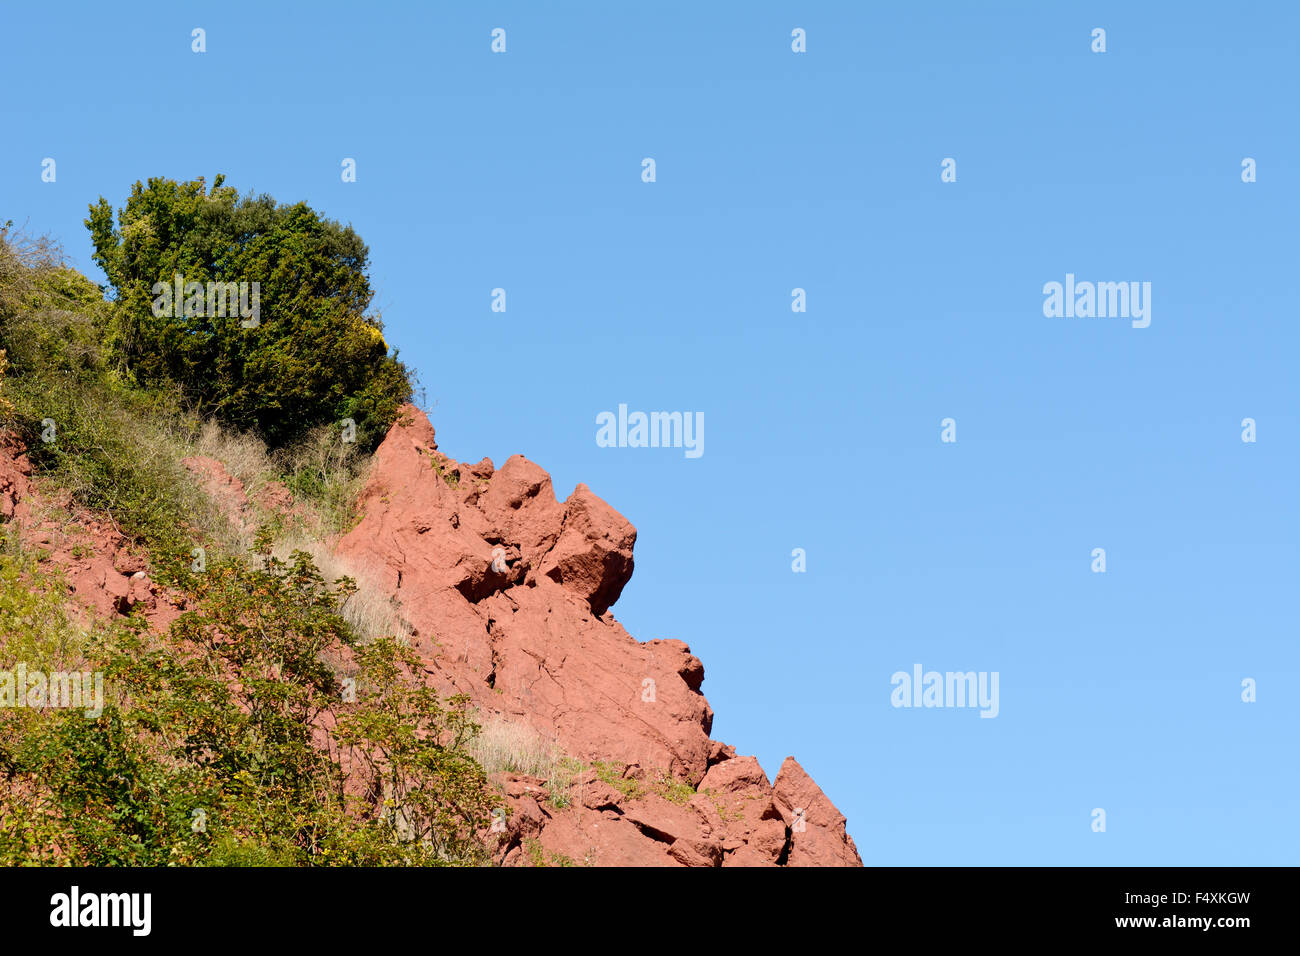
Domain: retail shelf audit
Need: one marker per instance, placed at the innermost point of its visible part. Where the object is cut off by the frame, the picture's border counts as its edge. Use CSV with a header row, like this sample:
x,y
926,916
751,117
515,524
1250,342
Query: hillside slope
x,y
504,592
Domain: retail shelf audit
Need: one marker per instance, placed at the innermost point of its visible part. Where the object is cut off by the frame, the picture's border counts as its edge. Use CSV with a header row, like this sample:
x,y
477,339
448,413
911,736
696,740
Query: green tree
x,y
315,354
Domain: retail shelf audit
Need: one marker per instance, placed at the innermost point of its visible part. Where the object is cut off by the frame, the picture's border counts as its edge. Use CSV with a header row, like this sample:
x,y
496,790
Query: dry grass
x,y
369,612
507,745
324,474
325,477
329,473
244,456
23,257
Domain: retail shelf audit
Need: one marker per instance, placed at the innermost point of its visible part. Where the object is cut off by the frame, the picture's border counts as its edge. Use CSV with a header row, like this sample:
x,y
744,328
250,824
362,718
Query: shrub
x,y
322,469
115,450
315,355
50,316
236,718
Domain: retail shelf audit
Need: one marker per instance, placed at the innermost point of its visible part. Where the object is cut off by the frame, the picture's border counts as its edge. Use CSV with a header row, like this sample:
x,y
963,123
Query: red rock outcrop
x,y
15,470
818,831
105,577
507,593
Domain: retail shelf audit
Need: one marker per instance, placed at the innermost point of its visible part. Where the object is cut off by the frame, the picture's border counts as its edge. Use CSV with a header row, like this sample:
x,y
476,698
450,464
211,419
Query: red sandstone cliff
x,y
508,592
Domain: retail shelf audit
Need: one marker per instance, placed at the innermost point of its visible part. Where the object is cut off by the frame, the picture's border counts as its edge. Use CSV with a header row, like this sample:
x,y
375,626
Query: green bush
x,y
326,471
224,742
51,317
315,355
115,450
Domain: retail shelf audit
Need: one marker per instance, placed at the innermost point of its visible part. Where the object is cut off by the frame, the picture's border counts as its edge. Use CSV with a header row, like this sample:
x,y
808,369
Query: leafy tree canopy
x,y
303,349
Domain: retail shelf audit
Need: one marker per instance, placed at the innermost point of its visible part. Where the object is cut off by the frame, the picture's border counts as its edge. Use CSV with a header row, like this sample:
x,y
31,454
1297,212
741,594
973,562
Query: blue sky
x,y
821,171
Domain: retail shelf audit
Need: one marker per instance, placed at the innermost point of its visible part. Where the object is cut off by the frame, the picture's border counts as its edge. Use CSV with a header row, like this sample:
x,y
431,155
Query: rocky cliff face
x,y
506,592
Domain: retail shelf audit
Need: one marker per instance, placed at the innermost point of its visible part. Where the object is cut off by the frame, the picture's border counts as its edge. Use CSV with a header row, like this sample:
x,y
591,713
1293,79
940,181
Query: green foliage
x,y
611,775
50,315
115,450
535,851
323,469
6,407
450,478
34,625
119,433
672,789
89,770
539,856
559,786
224,741
414,749
663,783
734,814
315,356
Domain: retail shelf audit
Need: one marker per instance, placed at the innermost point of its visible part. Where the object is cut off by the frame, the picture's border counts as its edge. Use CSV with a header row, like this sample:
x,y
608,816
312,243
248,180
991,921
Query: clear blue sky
x,y
821,170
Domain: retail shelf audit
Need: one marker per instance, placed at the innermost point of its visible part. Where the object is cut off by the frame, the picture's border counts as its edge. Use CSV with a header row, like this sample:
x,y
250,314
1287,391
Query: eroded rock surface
x,y
507,591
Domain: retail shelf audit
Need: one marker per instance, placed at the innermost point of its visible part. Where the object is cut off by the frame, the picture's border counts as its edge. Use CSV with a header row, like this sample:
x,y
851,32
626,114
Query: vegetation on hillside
x,y
278,721
225,741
